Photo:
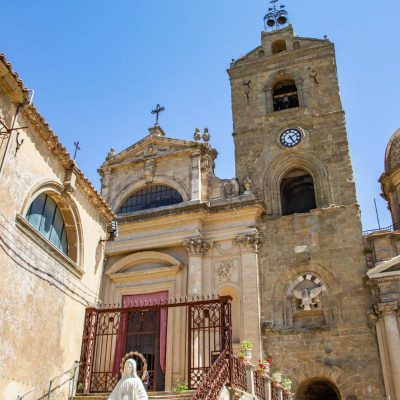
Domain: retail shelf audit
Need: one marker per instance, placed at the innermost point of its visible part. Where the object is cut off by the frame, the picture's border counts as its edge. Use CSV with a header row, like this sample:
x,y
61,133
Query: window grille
x,y
45,216
151,197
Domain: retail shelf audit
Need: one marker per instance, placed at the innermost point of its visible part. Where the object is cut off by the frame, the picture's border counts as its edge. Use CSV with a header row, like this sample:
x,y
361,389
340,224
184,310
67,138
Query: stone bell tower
x,y
291,141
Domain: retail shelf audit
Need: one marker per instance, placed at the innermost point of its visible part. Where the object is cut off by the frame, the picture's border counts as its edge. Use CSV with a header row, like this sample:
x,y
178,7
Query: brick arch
x,y
283,74
277,170
129,189
69,211
281,303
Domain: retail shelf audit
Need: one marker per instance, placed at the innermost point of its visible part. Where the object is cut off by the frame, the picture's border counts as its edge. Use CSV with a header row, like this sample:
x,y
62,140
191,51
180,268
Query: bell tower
x,y
291,142
287,113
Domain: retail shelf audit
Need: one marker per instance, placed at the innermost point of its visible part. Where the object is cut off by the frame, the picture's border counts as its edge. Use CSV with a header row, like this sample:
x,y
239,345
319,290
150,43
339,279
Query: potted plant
x,y
180,387
264,366
287,384
277,376
246,348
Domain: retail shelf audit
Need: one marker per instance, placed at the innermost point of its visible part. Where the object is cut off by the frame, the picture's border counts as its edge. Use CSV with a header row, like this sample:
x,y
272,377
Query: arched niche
x,y
131,188
283,299
281,78
230,290
69,212
281,166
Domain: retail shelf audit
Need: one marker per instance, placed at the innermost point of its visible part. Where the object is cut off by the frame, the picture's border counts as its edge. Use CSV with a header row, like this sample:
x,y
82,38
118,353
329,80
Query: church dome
x,y
392,155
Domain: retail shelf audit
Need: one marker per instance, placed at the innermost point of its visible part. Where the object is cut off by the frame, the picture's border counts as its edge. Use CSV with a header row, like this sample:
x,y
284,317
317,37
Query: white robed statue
x,y
130,386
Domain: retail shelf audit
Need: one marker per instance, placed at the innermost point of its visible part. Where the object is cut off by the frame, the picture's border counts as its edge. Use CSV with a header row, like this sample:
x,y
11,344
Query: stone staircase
x,y
152,396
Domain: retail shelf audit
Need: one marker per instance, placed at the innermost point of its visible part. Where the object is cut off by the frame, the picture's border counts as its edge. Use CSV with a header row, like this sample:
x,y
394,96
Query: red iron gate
x,y
107,337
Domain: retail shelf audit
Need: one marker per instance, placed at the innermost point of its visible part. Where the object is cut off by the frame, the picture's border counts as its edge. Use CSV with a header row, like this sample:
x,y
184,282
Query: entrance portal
x,y
318,390
143,335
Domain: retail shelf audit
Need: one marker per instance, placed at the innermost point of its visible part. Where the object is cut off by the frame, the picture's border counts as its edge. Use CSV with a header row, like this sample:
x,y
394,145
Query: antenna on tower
x,y
276,17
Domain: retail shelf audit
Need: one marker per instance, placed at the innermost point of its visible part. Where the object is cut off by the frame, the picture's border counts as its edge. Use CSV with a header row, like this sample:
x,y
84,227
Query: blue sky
x,y
99,67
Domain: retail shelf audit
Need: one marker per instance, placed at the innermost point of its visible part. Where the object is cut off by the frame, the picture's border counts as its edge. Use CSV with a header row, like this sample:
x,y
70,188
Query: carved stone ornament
x,y
231,188
308,297
149,150
248,242
149,170
388,308
224,271
197,246
111,154
248,185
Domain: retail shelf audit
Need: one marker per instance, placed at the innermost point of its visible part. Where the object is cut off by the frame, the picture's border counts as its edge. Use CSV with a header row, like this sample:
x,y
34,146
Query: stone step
x,y
152,396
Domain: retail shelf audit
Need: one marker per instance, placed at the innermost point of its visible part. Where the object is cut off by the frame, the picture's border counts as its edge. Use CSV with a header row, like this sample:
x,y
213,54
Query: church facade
x,y
283,238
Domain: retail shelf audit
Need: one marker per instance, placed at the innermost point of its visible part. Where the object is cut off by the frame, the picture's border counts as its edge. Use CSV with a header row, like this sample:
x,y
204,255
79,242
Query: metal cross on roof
x,y
157,111
76,144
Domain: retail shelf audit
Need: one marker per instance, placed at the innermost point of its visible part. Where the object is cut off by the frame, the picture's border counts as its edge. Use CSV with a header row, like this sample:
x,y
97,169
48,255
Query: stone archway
x,y
318,389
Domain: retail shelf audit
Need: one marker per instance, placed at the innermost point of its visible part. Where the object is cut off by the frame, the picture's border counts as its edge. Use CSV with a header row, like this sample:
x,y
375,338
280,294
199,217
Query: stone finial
x,y
248,242
248,185
197,246
197,135
388,308
231,188
111,154
206,135
156,131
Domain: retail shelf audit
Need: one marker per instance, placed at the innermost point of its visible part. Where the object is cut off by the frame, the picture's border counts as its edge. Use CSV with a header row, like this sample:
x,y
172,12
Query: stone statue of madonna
x,y
130,386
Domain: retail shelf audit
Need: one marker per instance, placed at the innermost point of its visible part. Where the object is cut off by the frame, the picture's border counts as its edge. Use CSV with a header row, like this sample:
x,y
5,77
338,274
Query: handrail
x,y
212,385
44,390
393,227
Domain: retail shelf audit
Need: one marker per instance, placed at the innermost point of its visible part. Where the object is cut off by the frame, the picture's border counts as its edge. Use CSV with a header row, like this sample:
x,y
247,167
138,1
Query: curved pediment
x,y
141,258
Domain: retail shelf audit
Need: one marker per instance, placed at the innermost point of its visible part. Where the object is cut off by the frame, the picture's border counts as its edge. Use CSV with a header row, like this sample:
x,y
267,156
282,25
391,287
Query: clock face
x,y
290,137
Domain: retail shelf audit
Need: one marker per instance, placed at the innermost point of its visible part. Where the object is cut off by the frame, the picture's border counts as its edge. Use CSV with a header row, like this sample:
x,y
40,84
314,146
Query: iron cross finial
x,y
76,144
157,111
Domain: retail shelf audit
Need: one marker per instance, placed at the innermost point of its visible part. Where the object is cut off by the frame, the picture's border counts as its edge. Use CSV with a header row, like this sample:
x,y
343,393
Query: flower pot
x,y
247,354
277,376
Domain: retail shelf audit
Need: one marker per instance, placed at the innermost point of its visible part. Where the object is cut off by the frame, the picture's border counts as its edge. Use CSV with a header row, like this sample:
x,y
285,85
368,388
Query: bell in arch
x,y
270,19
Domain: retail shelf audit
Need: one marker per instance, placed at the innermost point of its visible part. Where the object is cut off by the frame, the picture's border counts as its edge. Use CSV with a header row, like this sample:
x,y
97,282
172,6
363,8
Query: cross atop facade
x,y
76,144
157,112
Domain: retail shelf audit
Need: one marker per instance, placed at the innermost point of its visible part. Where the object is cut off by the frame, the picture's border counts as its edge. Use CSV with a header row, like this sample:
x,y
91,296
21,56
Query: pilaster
x,y
249,245
196,248
387,316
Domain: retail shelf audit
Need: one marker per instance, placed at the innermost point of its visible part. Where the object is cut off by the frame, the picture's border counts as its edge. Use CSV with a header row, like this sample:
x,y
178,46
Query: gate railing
x,y
105,340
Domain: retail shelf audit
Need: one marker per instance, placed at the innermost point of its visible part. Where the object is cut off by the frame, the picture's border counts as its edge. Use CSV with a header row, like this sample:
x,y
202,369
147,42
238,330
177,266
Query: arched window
x,y
45,216
297,192
278,46
285,95
150,197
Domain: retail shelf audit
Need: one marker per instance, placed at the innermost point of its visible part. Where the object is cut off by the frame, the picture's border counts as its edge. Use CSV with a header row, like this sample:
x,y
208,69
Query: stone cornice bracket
x,y
197,246
70,177
250,242
388,308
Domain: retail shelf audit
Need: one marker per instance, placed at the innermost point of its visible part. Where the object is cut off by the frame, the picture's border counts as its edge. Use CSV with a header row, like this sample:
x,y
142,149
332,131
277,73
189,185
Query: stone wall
x,y
44,292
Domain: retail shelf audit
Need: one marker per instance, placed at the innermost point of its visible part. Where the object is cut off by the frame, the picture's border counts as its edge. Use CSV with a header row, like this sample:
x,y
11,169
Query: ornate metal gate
x,y
109,333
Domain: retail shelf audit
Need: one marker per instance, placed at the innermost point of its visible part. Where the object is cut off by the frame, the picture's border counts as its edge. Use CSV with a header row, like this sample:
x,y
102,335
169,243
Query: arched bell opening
x,y
285,95
297,192
278,46
318,389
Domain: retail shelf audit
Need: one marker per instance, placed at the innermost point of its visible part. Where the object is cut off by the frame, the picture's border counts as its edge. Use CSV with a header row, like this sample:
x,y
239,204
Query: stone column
x,y
196,248
387,313
251,291
250,368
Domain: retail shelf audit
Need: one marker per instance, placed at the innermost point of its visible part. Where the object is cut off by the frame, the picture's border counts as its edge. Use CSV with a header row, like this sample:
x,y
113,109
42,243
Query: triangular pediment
x,y
150,147
389,266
